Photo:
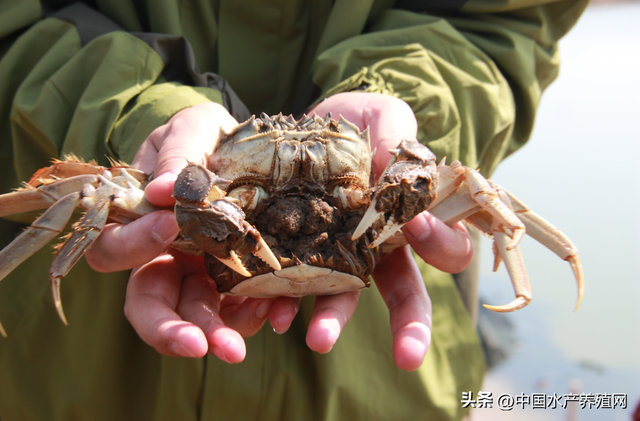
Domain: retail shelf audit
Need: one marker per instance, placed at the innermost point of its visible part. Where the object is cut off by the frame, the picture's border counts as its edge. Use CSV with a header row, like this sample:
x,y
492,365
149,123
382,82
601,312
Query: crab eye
x,y
248,196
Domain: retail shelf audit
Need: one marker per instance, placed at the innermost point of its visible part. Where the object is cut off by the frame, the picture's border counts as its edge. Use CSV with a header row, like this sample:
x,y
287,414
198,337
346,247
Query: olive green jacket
x,y
96,79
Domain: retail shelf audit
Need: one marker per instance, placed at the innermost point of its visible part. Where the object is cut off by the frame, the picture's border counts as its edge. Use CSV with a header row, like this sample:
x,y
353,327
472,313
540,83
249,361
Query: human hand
x,y
446,248
164,153
171,301
174,305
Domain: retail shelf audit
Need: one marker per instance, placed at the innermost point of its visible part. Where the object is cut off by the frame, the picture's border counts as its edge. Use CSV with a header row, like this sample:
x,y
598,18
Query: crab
x,y
284,207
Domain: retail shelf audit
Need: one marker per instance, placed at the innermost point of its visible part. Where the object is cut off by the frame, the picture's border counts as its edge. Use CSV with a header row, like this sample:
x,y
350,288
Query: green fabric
x,y
97,368
473,79
69,99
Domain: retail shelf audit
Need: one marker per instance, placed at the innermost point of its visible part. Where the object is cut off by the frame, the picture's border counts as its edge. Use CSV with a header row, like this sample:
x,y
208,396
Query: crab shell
x,y
268,161
298,281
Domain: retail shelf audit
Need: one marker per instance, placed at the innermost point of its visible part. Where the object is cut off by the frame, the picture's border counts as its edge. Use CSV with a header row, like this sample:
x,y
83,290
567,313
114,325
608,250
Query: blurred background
x,y
580,171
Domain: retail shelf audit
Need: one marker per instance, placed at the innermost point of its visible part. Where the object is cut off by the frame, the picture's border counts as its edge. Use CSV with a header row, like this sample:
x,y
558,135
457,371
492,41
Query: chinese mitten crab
x,y
284,207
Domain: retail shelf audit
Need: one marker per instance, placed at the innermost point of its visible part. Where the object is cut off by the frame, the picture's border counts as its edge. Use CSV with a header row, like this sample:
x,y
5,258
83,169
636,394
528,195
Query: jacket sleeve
x,y
75,82
473,76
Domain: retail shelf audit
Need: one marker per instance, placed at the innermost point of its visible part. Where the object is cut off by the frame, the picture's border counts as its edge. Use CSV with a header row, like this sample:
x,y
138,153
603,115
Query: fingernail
x,y
279,327
282,323
165,228
280,331
179,349
419,227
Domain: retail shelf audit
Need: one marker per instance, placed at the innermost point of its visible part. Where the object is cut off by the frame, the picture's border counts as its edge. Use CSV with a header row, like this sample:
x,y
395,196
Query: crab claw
x,y
406,188
220,230
266,255
234,263
215,223
368,219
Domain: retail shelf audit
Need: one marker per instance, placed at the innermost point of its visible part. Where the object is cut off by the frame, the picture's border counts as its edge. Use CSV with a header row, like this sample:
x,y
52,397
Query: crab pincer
x,y
215,223
406,188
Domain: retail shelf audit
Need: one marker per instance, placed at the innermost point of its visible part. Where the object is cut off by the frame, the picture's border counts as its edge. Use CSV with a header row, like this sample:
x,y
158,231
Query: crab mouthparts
x,y
301,230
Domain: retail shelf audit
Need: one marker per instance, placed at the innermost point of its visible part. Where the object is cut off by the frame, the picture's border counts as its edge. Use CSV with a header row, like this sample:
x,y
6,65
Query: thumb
x,y
189,136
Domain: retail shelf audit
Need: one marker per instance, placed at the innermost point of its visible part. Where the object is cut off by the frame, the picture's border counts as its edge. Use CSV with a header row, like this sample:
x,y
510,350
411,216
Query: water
x,y
580,172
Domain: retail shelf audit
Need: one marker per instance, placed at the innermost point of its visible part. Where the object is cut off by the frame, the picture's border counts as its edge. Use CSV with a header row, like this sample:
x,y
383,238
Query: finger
x,y
448,249
282,313
122,247
200,304
400,283
188,137
330,315
152,296
246,316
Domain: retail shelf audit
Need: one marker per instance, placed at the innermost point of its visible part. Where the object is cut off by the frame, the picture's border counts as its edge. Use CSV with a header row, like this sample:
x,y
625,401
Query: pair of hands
x,y
174,305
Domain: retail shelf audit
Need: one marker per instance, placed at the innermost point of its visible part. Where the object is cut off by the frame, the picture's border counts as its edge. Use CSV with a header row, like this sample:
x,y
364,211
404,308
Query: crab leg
x,y
479,190
517,272
513,260
72,166
30,199
85,232
44,229
490,210
114,193
550,237
458,206
536,227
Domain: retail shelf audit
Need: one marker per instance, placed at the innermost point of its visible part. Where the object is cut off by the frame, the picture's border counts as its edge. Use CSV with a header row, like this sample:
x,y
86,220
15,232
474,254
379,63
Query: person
x,y
122,79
